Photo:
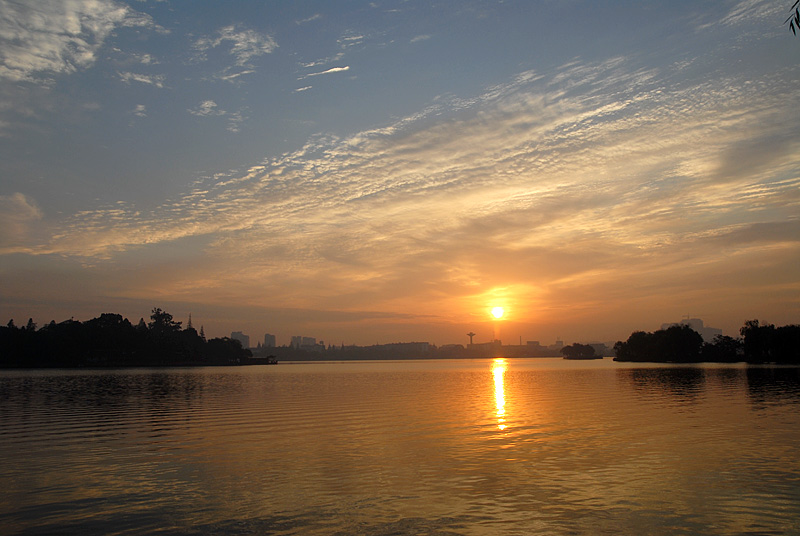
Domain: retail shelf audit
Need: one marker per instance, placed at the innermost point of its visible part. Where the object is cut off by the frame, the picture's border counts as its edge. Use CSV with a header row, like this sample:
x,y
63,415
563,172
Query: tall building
x,y
242,338
269,340
299,341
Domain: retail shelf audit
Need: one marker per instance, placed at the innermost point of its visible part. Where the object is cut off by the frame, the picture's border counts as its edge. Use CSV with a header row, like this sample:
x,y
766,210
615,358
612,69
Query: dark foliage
x,y
723,349
764,343
794,18
760,343
677,344
112,341
579,351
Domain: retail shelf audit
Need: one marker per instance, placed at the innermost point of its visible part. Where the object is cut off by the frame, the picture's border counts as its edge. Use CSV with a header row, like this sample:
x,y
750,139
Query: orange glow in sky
x,y
550,196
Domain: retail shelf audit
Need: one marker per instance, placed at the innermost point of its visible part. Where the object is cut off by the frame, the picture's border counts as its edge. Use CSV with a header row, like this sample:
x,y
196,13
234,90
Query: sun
x,y
498,312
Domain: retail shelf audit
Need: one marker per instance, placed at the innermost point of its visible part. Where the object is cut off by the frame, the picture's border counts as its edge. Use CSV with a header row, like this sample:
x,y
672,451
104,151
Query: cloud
x,y
350,39
244,45
324,61
235,121
419,38
52,37
584,185
153,80
17,213
746,10
140,110
232,77
207,108
313,17
305,88
328,71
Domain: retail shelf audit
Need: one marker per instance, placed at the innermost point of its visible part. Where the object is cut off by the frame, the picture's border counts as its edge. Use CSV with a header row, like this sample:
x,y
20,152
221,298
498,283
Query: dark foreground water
x,y
517,446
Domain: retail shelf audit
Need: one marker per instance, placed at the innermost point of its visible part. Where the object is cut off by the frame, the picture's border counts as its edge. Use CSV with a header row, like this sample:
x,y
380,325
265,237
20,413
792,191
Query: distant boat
x,y
272,360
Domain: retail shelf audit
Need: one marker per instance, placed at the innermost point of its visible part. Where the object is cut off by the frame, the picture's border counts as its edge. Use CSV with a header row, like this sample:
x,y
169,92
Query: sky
x,y
390,171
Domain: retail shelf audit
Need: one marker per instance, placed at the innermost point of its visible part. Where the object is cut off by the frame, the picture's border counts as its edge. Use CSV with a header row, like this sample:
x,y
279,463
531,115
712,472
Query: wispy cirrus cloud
x,y
351,39
156,80
324,61
209,108
316,16
242,44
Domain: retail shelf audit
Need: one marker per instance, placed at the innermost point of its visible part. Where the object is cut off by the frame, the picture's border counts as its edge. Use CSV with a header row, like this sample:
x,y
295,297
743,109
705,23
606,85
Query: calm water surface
x,y
462,447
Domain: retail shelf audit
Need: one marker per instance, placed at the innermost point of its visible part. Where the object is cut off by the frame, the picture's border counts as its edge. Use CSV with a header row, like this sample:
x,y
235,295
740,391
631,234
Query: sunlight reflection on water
x,y
467,447
498,371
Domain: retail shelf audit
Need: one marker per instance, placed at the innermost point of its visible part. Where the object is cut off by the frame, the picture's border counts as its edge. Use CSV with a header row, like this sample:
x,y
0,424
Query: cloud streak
x,y
327,71
152,80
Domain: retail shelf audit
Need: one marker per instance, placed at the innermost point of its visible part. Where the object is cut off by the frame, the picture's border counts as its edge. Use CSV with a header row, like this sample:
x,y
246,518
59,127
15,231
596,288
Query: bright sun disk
x,y
497,312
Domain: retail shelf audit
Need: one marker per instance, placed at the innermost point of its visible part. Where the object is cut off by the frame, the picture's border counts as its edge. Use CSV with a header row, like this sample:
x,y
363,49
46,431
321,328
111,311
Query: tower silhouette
x,y
470,335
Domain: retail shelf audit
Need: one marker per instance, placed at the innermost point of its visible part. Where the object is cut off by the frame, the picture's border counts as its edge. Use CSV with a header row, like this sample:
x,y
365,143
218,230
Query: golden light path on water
x,y
499,370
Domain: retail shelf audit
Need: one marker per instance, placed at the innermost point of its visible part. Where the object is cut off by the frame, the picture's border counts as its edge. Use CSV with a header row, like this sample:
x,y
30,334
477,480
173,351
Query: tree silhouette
x,y
676,344
794,18
112,341
579,351
162,322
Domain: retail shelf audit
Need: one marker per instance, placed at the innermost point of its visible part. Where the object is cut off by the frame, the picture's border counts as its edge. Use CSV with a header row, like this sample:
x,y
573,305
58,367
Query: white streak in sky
x,y
314,17
329,71
153,80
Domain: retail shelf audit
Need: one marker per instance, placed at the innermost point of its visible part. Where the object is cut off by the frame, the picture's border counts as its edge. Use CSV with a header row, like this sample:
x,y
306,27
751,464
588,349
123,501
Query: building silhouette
x,y
269,340
696,324
242,338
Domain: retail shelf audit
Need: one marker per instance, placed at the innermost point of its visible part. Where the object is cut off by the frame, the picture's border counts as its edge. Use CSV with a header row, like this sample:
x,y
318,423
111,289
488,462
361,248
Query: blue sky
x,y
370,172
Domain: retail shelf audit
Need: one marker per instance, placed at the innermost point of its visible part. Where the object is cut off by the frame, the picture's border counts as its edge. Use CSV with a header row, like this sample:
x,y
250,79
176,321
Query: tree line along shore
x,y
759,343
113,341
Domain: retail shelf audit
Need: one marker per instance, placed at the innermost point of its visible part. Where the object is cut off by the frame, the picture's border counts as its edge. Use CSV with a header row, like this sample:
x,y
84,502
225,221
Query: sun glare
x,y
498,312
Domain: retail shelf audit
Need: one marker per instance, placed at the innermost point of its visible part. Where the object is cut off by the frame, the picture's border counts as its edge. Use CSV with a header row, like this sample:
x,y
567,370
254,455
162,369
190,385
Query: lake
x,y
444,447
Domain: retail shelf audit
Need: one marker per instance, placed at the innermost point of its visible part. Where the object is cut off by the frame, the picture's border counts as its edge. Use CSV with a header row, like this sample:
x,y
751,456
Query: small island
x,y
580,351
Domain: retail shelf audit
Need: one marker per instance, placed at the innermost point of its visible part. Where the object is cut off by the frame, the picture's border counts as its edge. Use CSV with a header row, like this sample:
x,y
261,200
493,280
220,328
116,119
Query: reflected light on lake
x,y
499,370
402,447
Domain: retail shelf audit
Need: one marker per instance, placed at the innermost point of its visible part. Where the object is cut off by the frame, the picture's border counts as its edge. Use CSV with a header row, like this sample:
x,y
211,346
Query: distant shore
x,y
111,341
